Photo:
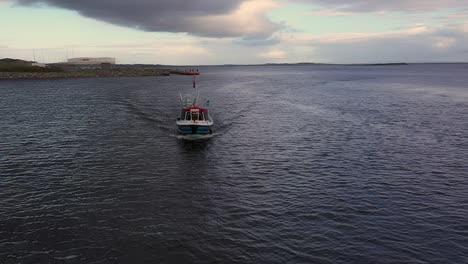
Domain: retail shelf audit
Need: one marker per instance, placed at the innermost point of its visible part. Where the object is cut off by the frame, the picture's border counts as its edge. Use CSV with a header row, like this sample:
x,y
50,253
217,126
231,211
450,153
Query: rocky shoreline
x,y
84,74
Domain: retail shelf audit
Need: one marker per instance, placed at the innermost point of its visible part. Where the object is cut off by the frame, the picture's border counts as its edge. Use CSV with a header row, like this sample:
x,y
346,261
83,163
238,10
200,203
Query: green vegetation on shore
x,y
15,65
12,69
34,69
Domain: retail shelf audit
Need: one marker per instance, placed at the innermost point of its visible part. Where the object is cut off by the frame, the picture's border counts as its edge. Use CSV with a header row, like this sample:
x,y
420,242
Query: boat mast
x,y
181,99
197,92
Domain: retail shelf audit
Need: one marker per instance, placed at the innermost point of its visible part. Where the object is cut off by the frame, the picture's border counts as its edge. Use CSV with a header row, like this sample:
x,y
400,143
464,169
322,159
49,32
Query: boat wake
x,y
150,118
195,137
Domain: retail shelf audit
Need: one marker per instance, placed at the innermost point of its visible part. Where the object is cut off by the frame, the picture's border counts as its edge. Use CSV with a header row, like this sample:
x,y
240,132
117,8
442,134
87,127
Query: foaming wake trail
x,y
194,137
136,111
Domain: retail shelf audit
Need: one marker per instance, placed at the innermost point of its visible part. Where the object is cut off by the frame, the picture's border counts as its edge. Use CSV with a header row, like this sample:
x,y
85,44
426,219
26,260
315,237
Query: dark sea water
x,y
308,164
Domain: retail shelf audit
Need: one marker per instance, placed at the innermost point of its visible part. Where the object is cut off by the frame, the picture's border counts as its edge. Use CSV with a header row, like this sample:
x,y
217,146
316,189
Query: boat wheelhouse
x,y
194,120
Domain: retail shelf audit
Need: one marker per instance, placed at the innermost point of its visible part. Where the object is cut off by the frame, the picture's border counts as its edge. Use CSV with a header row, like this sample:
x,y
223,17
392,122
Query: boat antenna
x,y
196,98
196,90
181,99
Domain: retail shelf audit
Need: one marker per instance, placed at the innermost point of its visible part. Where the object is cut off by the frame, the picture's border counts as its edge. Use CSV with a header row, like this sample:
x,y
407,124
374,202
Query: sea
x,y
307,164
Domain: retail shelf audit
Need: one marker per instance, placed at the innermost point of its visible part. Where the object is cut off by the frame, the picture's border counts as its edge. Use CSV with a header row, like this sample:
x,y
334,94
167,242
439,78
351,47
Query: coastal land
x,y
12,69
86,73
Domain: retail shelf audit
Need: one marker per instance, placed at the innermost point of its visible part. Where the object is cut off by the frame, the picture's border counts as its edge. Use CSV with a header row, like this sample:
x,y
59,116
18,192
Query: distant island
x,y
320,64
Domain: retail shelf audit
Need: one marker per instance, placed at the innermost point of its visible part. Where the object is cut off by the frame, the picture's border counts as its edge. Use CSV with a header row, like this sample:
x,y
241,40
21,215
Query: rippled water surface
x,y
308,164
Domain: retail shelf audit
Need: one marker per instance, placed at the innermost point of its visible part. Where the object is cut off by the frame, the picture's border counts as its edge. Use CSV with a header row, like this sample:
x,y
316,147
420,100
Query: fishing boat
x,y
194,120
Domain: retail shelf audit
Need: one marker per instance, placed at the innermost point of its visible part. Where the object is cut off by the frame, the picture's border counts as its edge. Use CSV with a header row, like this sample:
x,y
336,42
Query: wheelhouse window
x,y
194,115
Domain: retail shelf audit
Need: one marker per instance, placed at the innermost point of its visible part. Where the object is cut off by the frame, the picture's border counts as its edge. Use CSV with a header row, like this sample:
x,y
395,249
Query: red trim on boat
x,y
201,109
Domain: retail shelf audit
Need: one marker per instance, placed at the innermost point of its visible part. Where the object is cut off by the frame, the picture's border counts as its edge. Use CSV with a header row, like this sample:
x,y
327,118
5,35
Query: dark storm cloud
x,y
165,15
388,5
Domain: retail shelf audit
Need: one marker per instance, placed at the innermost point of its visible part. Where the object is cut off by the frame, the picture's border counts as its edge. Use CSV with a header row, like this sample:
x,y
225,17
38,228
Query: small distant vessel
x,y
186,72
194,120
189,73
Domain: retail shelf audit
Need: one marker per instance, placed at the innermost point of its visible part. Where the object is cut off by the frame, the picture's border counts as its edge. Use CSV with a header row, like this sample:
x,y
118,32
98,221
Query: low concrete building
x,y
91,61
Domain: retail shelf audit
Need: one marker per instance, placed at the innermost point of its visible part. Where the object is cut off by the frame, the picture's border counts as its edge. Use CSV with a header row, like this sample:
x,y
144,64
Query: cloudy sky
x,y
236,31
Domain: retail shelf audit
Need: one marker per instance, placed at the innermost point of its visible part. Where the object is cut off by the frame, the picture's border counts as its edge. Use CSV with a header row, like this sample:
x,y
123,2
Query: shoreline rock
x,y
83,74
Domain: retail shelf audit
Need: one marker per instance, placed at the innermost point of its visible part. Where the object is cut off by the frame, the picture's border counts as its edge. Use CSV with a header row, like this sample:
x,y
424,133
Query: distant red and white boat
x,y
186,72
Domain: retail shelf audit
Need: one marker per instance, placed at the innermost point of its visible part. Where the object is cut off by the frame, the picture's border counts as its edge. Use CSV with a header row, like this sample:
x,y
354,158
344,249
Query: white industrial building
x,y
91,61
